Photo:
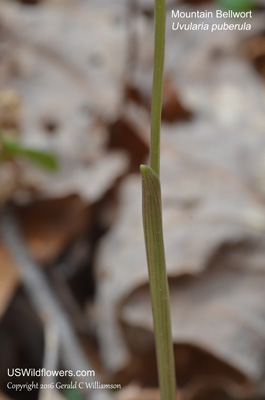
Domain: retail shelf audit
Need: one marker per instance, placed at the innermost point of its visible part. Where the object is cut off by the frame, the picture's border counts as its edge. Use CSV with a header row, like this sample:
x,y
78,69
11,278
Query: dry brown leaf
x,y
254,49
10,110
127,132
49,225
9,177
172,109
134,392
3,396
90,181
9,279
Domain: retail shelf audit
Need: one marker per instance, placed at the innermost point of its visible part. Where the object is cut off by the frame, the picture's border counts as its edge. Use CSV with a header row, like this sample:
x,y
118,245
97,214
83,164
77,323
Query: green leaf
x,y
72,394
237,5
153,232
12,148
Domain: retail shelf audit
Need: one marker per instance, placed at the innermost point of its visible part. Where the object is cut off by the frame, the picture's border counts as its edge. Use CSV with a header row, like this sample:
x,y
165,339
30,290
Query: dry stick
x,y
152,221
50,358
45,301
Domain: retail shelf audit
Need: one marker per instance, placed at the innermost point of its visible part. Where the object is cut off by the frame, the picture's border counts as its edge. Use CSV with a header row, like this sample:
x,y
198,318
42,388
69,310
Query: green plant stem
x,y
152,222
153,231
160,23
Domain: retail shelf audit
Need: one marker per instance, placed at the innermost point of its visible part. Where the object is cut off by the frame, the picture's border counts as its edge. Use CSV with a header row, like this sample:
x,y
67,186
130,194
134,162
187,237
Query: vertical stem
x,y
160,23
152,221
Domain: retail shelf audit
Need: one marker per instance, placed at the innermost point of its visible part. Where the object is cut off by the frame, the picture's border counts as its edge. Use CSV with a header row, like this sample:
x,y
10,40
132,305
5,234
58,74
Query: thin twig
x,y
51,357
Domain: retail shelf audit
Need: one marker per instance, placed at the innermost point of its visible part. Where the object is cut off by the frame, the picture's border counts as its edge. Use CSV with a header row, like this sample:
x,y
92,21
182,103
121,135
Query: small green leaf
x,y
237,5
72,394
12,148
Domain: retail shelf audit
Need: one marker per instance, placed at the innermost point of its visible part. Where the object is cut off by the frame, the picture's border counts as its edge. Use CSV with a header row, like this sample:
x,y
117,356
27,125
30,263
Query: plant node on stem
x,y
152,222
